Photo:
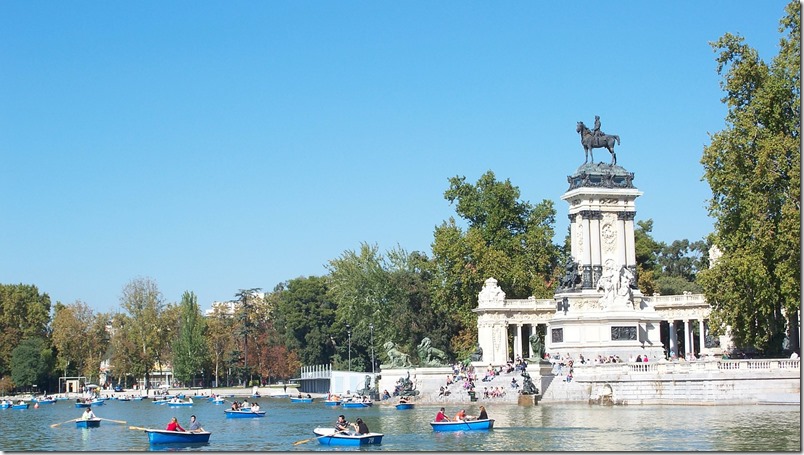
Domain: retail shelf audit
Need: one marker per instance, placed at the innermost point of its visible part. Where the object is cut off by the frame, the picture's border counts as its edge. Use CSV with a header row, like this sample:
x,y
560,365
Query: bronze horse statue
x,y
589,142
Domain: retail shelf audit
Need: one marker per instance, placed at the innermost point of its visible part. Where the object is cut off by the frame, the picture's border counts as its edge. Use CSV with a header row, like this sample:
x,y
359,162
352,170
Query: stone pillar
x,y
518,341
673,336
530,346
701,337
688,338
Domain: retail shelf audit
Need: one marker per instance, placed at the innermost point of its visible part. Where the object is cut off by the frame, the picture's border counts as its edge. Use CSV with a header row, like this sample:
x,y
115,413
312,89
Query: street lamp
x,y
371,329
349,333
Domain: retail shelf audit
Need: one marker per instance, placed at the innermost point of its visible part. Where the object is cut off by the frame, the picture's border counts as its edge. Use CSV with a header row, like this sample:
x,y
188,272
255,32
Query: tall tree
x,y
143,302
220,337
305,316
508,239
31,361
189,349
24,313
246,317
71,335
753,167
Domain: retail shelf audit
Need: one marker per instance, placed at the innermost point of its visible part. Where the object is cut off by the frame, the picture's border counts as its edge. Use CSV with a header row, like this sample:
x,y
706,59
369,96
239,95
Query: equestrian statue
x,y
595,138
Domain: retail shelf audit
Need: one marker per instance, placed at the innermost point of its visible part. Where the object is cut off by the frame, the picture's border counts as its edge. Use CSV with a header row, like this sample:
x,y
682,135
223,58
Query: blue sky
x,y
218,146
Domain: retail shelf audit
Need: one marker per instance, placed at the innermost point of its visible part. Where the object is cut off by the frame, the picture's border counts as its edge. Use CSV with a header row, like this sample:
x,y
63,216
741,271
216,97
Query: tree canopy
x,y
753,167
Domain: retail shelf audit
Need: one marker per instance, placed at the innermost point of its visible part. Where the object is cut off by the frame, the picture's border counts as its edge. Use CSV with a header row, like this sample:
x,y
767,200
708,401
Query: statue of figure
x,y
404,387
592,139
536,344
430,356
571,276
596,130
607,283
616,285
527,385
396,358
477,356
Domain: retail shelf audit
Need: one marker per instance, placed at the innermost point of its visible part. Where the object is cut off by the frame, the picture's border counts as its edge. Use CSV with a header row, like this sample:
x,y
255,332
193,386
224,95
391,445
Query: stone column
x,y
673,336
701,337
688,338
518,341
530,346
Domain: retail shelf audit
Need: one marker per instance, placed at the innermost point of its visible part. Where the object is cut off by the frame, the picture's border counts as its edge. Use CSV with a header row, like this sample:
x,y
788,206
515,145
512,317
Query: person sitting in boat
x,y
88,414
483,414
461,415
194,427
403,400
360,426
255,407
309,396
244,404
174,425
235,406
441,416
342,425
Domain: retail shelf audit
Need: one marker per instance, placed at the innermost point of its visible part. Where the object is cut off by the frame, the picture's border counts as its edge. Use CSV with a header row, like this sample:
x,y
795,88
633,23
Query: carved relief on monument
x,y
608,232
579,237
609,201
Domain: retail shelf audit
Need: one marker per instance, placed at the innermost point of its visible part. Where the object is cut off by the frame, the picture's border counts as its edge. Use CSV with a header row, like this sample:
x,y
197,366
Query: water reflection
x,y
546,427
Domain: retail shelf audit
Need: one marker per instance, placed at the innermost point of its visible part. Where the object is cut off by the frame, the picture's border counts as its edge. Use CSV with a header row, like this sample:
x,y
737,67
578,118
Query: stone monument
x,y
602,311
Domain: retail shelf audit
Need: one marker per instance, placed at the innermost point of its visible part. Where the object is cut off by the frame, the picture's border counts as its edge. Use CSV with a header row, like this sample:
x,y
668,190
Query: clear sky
x,y
219,146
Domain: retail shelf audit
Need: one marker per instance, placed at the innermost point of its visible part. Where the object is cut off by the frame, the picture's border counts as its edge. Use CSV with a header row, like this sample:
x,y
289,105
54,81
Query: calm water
x,y
546,427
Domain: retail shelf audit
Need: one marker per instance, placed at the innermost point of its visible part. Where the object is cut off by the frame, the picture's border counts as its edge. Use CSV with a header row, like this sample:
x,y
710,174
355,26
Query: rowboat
x,y
89,423
20,406
243,414
327,436
44,400
176,404
177,437
356,404
218,400
404,406
5,404
332,402
86,404
463,425
301,400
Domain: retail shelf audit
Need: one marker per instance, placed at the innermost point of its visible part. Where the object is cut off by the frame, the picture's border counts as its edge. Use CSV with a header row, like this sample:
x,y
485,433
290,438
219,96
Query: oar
x,y
112,420
62,423
137,428
311,439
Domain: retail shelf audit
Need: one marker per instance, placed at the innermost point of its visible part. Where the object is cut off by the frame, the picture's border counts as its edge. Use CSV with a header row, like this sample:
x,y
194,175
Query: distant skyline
x,y
219,146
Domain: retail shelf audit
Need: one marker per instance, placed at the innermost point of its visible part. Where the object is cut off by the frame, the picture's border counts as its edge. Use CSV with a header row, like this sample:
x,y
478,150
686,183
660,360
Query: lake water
x,y
545,427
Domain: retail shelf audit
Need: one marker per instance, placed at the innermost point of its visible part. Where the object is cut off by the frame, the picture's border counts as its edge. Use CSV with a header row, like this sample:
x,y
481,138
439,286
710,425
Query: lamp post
x,y
373,377
349,334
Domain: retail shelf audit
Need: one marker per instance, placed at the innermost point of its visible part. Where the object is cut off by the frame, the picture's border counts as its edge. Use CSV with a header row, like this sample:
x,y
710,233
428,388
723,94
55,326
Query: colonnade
x,y
689,343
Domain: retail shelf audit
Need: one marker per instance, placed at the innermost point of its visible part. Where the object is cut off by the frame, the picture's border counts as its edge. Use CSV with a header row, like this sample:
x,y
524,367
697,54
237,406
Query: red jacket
x,y
174,427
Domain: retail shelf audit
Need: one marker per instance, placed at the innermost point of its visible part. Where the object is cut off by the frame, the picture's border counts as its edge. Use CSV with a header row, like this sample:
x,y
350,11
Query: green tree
x,y
143,303
24,313
71,335
507,239
219,337
31,362
189,349
246,317
305,316
753,167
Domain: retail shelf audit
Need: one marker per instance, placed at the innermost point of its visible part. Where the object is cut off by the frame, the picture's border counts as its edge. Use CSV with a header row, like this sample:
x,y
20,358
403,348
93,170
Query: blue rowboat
x,y
328,437
20,406
177,437
332,402
137,398
89,423
243,414
97,402
5,405
356,404
301,400
176,404
218,400
463,425
404,406
45,400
